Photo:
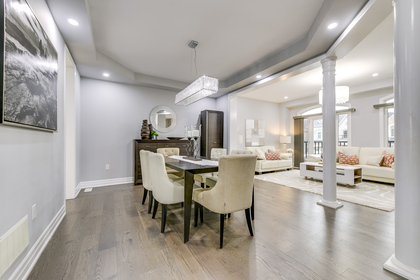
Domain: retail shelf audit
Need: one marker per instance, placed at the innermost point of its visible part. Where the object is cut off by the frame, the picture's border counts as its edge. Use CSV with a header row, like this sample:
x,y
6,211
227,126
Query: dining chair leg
x,y
248,221
155,207
222,225
252,205
196,205
144,196
203,185
149,209
164,212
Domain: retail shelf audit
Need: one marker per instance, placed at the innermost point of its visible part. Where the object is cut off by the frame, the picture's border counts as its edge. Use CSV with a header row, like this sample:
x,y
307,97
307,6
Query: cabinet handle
x,y
166,145
147,146
214,142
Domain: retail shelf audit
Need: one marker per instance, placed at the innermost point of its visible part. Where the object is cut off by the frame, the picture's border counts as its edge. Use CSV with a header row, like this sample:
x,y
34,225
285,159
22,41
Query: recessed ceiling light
x,y
375,75
286,97
259,76
105,74
73,22
332,25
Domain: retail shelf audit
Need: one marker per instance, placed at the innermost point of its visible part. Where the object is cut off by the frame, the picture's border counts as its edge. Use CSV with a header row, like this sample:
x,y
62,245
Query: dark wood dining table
x,y
189,168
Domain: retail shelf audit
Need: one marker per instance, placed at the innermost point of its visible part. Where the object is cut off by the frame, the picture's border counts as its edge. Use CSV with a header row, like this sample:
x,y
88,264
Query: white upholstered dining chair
x,y
167,152
165,191
232,192
216,153
145,178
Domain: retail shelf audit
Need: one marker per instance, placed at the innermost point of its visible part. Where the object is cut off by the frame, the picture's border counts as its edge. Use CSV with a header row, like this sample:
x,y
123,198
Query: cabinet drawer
x,y
148,146
167,145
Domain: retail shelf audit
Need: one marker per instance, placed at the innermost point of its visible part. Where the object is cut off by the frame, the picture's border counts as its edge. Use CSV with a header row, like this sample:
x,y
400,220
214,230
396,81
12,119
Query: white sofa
x,y
370,172
264,165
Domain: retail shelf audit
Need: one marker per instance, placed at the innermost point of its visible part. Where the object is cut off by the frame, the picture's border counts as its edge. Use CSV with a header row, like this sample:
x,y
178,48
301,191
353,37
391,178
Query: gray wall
x,y
111,117
32,161
259,110
365,121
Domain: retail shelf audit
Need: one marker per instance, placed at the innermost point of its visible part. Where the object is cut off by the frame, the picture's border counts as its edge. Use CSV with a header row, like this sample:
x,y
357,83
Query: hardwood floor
x,y
107,234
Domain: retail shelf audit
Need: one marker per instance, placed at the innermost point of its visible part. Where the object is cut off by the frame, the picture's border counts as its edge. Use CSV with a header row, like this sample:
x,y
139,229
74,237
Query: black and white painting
x,y
30,70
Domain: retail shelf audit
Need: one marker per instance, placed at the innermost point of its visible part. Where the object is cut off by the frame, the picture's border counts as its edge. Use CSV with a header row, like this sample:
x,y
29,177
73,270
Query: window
x,y
386,121
313,134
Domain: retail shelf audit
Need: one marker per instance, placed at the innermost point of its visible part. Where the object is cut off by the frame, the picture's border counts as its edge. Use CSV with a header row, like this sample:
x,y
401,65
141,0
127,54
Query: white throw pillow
x,y
393,165
285,156
374,160
260,154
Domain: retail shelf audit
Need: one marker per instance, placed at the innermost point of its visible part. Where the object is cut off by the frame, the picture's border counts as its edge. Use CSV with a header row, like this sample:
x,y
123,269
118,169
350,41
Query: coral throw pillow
x,y
273,156
347,159
388,159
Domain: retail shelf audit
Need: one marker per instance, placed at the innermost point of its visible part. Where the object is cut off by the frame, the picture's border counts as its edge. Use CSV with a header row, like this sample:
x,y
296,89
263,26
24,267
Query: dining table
x,y
189,168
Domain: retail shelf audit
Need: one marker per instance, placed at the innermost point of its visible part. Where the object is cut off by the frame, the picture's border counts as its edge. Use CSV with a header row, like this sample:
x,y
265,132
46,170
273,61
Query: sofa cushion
x,y
367,152
347,159
260,154
273,156
348,150
378,171
267,164
388,159
374,160
314,158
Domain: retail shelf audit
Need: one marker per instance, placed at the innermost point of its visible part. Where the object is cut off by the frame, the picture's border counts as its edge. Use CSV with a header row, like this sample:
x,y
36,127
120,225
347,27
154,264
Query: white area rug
x,y
370,194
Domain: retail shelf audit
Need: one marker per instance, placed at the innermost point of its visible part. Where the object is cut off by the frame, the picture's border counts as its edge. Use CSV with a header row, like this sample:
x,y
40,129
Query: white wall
x,y
365,121
258,110
32,161
111,117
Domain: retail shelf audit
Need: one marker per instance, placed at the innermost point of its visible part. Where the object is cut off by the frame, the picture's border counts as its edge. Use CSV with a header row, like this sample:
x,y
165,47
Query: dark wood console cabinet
x,y
153,145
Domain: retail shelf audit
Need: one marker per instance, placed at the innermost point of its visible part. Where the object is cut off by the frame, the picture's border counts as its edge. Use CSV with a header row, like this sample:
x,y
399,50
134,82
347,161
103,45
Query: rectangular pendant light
x,y
199,89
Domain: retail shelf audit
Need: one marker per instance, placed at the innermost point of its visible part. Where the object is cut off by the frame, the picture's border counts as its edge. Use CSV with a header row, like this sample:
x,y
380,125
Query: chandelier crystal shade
x,y
199,89
341,95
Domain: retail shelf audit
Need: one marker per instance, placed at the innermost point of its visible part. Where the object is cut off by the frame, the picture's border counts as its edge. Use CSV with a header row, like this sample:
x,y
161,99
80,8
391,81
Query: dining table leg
x,y
188,189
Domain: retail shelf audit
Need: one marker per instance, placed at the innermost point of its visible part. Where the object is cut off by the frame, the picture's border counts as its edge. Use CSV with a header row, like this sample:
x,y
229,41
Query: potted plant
x,y
154,134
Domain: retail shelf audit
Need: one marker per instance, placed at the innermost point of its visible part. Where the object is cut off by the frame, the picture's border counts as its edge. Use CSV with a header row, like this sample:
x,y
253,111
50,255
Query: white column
x,y
406,260
329,197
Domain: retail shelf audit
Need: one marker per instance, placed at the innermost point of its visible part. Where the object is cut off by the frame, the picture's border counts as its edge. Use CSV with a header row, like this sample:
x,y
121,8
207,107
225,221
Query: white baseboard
x,y
107,182
397,267
28,263
78,188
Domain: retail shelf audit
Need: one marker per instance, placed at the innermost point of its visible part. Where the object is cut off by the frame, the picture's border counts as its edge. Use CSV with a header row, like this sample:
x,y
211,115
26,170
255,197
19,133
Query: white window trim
x,y
349,134
383,137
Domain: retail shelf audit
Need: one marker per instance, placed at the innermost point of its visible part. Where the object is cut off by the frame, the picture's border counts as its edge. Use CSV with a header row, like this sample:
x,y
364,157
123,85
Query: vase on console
x,y
145,131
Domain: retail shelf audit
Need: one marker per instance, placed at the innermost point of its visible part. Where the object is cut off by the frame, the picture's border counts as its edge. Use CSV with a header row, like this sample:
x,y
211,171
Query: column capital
x,y
328,64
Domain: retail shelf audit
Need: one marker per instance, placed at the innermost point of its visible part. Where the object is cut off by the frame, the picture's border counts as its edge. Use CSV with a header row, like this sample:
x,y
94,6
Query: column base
x,y
397,267
330,204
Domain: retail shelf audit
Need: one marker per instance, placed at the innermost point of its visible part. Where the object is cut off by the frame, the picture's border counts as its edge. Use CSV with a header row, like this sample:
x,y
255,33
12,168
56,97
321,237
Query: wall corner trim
x,y
106,182
28,263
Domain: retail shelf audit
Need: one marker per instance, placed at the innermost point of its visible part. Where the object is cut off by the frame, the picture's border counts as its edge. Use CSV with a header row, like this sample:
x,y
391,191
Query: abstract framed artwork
x,y
254,133
29,69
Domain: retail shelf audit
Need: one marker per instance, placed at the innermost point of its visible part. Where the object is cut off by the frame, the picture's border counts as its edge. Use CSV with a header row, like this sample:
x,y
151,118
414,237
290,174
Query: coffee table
x,y
349,175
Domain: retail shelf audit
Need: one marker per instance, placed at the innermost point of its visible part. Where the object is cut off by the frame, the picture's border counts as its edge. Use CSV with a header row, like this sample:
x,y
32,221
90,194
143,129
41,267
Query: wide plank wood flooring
x,y
107,234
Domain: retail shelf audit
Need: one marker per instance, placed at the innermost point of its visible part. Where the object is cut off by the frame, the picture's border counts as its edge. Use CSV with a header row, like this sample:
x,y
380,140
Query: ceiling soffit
x,y
89,47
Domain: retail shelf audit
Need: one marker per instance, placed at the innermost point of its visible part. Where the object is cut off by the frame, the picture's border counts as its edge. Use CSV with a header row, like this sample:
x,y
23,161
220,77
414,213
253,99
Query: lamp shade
x,y
341,94
200,88
285,139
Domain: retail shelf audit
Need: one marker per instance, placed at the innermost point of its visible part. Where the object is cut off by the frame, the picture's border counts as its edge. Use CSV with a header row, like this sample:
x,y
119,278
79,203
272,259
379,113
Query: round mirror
x,y
163,118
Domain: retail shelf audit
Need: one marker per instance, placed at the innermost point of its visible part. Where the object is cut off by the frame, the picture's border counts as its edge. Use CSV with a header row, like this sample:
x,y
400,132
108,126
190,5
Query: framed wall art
x,y
254,133
29,69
